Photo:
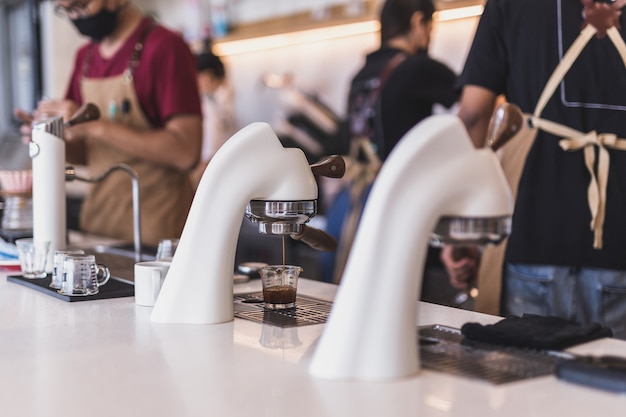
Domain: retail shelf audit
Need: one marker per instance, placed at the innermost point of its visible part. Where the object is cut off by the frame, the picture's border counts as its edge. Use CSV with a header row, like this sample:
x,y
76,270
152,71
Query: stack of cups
x,y
57,271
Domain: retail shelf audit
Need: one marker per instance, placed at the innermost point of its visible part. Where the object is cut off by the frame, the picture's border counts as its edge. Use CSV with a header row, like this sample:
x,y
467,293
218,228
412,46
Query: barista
x,y
143,78
565,254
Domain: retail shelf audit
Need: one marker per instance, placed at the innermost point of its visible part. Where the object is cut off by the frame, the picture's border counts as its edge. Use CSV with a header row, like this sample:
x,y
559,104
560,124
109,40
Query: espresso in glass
x,y
280,284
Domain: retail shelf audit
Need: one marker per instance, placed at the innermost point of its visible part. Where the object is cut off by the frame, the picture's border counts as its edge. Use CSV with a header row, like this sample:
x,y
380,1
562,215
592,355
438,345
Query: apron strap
x,y
135,58
564,65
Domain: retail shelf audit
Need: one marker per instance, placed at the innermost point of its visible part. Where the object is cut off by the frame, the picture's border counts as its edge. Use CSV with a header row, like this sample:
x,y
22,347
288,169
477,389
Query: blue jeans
x,y
583,295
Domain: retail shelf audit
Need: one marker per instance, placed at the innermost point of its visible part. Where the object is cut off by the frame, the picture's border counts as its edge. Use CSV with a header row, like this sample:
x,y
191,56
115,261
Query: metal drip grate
x,y
444,349
307,311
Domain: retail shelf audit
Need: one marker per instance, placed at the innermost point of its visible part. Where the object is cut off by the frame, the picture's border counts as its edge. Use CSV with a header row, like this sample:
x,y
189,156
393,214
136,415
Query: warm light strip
x,y
327,33
458,13
295,38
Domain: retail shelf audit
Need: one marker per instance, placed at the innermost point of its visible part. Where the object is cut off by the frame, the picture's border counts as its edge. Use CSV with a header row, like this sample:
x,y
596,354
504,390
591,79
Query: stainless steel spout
x,y
280,217
289,217
470,230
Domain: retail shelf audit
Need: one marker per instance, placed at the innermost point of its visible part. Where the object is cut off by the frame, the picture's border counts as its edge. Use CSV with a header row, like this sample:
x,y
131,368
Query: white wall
x,y
59,40
325,68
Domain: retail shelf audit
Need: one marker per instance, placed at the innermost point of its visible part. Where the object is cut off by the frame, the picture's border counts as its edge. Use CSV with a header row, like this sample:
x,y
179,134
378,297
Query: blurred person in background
x,y
412,81
216,94
142,77
395,90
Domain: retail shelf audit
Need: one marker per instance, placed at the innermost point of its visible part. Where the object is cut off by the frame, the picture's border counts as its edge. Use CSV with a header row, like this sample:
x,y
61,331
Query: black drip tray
x,y
445,349
308,310
112,289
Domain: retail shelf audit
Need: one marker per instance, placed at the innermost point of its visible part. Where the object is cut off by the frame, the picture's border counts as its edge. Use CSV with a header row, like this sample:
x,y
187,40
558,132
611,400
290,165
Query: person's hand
x,y
56,107
45,108
26,119
461,264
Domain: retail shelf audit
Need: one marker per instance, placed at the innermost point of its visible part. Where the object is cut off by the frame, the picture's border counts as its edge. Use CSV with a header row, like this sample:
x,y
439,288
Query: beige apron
x,y
513,158
165,193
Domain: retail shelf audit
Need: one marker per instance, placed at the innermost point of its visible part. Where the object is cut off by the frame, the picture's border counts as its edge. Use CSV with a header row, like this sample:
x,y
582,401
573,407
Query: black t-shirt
x,y
410,92
407,97
518,44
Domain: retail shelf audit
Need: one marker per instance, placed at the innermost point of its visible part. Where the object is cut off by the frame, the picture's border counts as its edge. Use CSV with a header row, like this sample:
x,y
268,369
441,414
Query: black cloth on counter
x,y
535,332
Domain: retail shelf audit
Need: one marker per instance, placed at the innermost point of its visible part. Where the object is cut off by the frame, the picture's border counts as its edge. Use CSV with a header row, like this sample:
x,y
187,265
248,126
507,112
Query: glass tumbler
x,y
280,284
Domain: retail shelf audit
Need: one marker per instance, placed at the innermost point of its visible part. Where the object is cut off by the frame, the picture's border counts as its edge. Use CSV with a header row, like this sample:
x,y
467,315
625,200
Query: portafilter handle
x,y
86,113
332,166
316,238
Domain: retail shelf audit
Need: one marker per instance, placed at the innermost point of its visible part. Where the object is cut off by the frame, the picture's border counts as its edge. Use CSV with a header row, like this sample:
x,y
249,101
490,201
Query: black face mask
x,y
98,26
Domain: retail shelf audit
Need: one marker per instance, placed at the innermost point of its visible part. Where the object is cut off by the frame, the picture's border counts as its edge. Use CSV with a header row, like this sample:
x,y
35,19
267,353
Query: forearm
x,y
476,128
177,145
475,110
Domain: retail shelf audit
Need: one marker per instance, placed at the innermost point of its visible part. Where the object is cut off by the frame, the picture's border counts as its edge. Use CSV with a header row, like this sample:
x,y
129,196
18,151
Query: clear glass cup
x,y
82,275
57,271
32,255
280,285
166,249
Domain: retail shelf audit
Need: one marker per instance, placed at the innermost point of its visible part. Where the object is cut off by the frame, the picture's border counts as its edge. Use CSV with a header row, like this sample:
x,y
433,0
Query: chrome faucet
x,y
252,167
434,173
70,175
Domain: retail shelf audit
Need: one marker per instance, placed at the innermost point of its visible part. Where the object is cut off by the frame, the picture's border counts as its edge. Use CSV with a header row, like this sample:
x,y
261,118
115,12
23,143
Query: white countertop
x,y
105,358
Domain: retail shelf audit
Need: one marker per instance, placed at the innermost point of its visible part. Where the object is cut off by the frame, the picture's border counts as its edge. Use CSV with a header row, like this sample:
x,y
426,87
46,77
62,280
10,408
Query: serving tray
x,y
112,289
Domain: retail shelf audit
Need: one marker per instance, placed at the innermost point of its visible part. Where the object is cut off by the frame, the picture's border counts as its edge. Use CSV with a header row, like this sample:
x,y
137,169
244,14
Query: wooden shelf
x,y
334,16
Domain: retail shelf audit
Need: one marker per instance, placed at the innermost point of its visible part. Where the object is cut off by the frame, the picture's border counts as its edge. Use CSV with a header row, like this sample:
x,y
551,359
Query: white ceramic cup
x,y
149,277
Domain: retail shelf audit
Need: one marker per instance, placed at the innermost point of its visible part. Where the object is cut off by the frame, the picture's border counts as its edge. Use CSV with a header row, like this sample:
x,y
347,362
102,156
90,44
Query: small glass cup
x,y
57,271
82,275
33,255
166,249
280,284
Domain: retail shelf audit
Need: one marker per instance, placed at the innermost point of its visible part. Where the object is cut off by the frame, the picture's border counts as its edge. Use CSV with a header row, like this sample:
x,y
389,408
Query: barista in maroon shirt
x,y
143,78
